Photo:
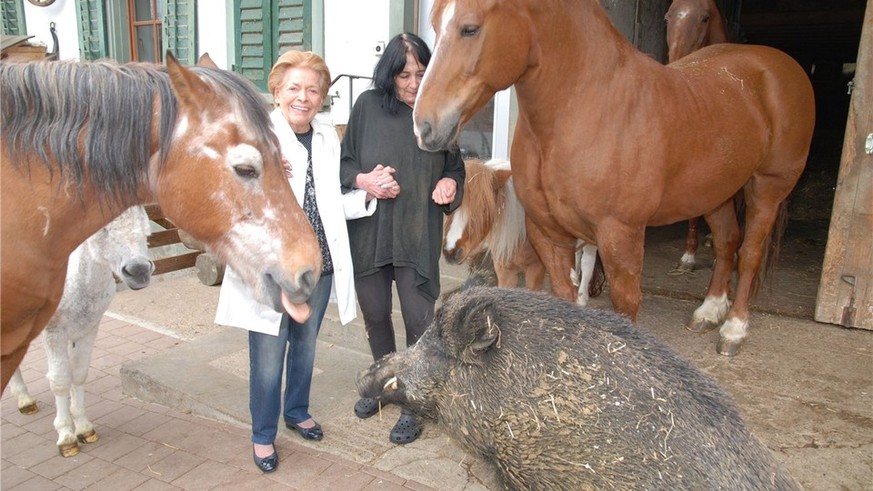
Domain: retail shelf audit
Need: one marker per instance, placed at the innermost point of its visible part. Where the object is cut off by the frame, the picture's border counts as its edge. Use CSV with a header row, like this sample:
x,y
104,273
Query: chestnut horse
x,y
491,219
654,144
691,25
82,142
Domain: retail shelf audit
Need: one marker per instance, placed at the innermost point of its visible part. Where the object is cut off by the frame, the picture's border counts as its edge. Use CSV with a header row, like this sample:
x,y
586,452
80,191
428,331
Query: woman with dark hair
x,y
400,243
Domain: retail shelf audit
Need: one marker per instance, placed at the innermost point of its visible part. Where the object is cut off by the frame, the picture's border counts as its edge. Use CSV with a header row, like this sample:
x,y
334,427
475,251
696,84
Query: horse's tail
x,y
598,278
771,251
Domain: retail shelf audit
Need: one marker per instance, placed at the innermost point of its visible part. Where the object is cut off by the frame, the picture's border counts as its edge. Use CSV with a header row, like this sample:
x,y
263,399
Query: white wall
x,y
63,14
352,29
213,26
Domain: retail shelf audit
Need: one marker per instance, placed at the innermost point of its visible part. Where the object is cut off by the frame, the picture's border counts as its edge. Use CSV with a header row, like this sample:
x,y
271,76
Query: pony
x,y
691,25
654,144
83,141
118,249
491,220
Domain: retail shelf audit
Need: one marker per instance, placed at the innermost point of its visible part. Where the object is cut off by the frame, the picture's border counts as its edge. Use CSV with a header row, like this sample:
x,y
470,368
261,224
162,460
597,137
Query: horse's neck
x,y
87,267
717,29
595,52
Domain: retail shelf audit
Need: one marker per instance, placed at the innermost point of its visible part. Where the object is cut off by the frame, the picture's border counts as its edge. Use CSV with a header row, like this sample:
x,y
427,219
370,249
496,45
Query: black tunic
x,y
406,231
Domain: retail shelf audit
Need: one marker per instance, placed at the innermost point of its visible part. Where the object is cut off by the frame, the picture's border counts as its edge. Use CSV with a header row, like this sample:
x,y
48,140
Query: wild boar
x,y
556,396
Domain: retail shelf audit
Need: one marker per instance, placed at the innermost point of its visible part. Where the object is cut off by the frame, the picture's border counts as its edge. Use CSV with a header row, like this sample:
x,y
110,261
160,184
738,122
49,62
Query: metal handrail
x,y
352,79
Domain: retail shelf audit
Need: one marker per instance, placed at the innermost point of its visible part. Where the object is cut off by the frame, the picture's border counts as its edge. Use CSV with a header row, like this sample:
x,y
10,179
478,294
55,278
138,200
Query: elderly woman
x,y
299,82
400,244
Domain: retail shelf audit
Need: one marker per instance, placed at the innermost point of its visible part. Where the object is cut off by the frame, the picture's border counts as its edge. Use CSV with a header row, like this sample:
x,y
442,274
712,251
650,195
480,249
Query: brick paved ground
x,y
145,446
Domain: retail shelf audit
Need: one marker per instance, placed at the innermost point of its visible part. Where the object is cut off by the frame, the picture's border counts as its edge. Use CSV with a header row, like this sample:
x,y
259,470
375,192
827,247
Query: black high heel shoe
x,y
267,464
313,433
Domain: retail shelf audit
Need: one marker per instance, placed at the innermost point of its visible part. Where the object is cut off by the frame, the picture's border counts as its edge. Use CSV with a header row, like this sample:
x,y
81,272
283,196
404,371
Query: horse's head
x,y
123,245
481,47
223,182
466,230
691,25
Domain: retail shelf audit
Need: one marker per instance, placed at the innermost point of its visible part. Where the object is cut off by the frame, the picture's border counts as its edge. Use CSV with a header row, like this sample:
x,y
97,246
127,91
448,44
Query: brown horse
x,y
691,25
654,144
82,142
491,220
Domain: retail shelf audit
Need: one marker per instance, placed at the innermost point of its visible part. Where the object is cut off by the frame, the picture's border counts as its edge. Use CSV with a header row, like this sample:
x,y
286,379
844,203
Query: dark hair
x,y
393,61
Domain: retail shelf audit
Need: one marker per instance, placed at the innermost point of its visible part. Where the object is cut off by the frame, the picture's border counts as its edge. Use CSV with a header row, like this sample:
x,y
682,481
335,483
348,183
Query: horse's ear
x,y
500,178
206,61
187,86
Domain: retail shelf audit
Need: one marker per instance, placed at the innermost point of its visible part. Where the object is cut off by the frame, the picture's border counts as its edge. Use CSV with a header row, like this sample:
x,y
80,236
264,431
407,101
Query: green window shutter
x,y
289,26
254,50
12,18
266,29
179,30
91,23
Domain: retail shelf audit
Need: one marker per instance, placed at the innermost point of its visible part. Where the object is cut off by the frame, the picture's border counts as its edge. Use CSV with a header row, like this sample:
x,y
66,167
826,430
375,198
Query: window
x,y
145,30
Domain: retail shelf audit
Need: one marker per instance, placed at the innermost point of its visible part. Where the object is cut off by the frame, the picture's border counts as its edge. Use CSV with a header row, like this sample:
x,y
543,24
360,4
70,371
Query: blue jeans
x,y
267,357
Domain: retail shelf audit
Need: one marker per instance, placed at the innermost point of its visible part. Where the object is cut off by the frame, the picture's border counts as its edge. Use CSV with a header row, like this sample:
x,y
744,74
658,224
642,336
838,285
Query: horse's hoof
x,y
29,409
69,449
728,348
682,268
88,437
700,326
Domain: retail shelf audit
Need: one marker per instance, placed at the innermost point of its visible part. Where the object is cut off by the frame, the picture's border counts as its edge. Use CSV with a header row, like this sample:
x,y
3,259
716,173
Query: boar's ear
x,y
480,322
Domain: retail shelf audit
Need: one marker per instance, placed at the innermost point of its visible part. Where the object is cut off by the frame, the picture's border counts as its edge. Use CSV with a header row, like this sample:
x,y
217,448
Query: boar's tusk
x,y
390,384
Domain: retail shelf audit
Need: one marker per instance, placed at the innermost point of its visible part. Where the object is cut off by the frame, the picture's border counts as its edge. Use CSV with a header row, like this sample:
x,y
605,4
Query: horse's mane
x,y
501,211
96,118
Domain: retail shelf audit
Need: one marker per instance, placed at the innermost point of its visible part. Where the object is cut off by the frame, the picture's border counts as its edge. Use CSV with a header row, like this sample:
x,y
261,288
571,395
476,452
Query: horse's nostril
x,y
424,129
308,281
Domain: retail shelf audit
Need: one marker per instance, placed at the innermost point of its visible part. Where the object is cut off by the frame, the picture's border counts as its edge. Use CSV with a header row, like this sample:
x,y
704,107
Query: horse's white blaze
x,y
438,53
210,152
181,126
456,228
713,309
734,329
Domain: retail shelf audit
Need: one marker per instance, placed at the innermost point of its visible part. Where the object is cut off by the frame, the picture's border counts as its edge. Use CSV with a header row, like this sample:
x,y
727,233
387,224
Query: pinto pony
x,y
118,249
491,220
654,144
82,142
691,25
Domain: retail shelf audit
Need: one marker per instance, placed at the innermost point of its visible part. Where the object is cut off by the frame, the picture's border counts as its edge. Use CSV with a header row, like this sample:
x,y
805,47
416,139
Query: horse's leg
x,y
586,257
533,267
507,275
10,362
621,250
764,196
558,260
60,380
726,238
26,403
688,260
80,362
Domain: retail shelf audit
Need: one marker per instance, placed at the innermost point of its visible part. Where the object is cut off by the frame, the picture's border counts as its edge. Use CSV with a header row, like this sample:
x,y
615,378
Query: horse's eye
x,y
245,171
705,19
469,31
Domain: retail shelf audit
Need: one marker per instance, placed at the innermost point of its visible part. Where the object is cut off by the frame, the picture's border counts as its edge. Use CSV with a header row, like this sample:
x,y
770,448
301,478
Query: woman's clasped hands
x,y
380,182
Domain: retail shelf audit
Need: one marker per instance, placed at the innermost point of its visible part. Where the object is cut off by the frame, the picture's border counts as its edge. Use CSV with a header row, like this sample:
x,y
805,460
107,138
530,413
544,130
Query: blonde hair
x,y
299,59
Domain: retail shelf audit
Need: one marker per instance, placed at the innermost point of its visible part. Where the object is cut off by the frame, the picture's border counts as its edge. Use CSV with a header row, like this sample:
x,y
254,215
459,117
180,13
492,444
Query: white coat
x,y
236,305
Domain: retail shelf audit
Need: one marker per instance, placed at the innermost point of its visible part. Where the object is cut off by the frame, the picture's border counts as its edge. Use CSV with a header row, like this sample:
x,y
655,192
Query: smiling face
x,y
406,83
299,97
